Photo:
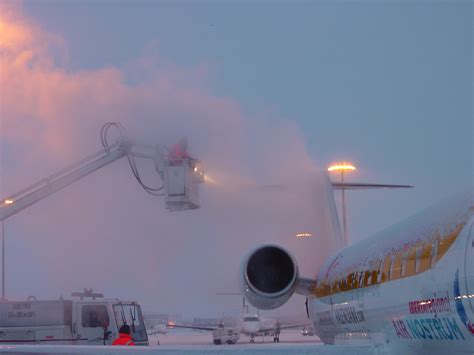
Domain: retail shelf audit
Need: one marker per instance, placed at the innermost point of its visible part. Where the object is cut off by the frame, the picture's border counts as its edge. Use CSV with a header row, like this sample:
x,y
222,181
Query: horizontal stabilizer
x,y
365,186
171,326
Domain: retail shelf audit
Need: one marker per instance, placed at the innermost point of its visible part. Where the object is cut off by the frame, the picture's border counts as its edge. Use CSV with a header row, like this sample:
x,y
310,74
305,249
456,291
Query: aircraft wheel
x,y
217,342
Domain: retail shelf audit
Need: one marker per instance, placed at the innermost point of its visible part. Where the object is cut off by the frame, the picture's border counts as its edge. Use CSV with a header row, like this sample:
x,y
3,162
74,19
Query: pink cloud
x,y
104,228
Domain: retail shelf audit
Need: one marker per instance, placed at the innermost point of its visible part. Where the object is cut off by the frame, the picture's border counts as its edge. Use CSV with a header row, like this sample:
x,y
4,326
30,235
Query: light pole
x,y
342,168
3,261
5,202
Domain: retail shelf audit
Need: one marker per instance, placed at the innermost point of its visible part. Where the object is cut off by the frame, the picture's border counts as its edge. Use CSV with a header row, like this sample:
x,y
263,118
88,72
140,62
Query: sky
x,y
266,92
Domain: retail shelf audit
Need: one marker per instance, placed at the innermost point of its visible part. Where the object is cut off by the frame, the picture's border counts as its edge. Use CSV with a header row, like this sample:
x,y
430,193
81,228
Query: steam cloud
x,y
104,231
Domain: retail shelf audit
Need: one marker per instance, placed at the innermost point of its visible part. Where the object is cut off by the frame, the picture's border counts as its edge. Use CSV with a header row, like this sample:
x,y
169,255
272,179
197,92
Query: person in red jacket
x,y
124,336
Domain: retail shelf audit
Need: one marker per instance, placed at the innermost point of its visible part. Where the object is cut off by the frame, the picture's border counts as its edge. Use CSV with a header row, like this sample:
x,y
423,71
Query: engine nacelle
x,y
269,275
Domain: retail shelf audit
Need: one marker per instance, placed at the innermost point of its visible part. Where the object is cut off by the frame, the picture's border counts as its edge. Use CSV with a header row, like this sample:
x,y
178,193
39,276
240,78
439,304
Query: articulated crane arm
x,y
180,176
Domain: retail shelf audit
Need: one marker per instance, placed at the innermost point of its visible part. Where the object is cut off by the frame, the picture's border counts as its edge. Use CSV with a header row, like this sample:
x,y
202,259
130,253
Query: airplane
x,y
251,325
254,325
220,334
157,329
408,288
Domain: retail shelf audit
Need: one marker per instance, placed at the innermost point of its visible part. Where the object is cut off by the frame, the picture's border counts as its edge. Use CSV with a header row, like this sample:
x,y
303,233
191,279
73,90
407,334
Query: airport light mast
x,y
343,167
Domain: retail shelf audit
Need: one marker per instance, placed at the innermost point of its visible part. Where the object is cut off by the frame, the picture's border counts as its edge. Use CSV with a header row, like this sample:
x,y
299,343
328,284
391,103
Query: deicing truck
x,y
87,319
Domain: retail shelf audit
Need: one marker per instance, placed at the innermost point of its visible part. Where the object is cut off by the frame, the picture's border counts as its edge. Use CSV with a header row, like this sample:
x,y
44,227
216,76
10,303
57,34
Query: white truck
x,y
88,319
225,335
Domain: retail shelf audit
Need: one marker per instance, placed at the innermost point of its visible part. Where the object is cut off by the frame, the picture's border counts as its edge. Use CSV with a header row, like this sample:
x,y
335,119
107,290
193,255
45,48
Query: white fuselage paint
x,y
254,325
428,311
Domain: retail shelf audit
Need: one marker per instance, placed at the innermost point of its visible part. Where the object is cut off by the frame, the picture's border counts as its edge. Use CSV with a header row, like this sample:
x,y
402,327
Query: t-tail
x,y
269,274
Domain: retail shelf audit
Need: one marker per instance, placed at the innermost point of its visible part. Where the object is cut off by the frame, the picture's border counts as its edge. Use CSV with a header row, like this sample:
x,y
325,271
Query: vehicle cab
x,y
97,321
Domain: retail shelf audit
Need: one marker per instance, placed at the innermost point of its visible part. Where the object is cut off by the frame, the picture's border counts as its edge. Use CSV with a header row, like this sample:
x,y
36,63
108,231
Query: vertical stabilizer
x,y
317,218
333,217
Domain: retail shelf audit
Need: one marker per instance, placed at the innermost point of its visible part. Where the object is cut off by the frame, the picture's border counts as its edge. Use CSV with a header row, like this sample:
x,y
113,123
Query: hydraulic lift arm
x,y
186,179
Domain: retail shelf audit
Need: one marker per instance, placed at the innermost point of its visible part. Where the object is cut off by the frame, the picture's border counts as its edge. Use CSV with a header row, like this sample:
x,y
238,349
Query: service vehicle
x,y
225,335
307,331
86,319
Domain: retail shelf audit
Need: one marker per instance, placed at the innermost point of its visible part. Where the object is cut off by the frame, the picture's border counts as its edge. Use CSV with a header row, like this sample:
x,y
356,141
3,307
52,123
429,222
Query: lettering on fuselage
x,y
428,329
324,318
433,305
460,306
349,315
346,315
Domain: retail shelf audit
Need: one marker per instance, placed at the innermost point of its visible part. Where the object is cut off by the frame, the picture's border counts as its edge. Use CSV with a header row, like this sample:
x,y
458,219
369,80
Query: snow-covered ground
x,y
174,343
180,337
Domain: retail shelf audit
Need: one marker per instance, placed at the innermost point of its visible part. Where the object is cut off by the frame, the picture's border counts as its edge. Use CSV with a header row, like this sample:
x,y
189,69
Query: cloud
x,y
104,231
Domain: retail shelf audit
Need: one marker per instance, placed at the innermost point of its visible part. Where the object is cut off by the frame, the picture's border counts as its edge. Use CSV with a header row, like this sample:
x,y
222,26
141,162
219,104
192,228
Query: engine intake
x,y
269,276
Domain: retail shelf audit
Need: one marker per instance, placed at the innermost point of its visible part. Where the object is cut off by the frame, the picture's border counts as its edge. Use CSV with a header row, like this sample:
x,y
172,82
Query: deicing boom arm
x,y
61,179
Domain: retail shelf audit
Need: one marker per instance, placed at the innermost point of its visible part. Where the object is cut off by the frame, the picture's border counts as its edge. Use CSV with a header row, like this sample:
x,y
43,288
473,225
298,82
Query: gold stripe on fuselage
x,y
398,264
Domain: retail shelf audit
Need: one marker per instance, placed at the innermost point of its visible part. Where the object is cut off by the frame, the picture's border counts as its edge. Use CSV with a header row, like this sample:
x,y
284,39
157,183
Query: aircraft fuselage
x,y
410,287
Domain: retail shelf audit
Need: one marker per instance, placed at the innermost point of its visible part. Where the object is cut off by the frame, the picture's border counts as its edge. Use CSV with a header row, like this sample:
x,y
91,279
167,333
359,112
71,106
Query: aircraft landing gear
x,y
276,339
252,340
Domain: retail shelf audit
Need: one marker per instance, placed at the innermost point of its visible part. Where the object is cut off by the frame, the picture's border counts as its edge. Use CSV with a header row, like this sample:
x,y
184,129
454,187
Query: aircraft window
x,y
411,260
373,277
417,260
350,281
367,278
384,268
342,285
434,253
404,263
425,259
361,279
354,281
375,272
397,268
94,316
390,269
358,280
